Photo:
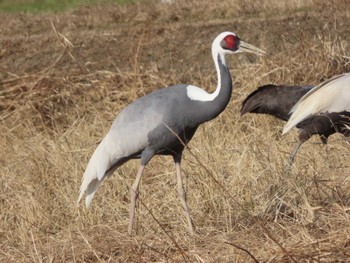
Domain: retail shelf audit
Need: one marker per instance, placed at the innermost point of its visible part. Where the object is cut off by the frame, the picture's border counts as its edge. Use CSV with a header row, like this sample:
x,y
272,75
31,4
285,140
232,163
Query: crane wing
x,y
332,95
127,137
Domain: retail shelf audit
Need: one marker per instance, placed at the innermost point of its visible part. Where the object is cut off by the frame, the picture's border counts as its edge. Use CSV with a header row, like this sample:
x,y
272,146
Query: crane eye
x,y
230,42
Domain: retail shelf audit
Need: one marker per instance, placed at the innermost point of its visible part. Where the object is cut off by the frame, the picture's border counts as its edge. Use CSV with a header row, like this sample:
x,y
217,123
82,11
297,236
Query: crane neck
x,y
222,94
220,63
207,106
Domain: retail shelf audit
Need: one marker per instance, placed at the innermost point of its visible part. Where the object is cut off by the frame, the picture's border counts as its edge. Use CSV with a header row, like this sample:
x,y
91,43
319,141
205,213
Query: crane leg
x,y
292,155
134,193
182,195
325,155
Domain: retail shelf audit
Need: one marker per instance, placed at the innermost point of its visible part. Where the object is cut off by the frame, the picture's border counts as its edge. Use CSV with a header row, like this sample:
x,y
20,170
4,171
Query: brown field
x,y
63,79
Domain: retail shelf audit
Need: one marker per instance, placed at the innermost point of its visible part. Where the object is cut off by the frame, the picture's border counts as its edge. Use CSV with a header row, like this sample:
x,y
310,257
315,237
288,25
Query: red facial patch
x,y
230,42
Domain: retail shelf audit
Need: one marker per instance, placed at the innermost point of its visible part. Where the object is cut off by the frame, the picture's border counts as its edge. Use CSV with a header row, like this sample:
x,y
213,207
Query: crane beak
x,y
245,47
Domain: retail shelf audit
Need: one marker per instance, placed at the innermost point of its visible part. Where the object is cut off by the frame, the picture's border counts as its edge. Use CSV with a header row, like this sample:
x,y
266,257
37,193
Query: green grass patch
x,y
50,5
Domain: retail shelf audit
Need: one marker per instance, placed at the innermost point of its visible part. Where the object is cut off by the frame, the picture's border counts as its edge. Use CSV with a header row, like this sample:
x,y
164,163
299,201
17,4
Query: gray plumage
x,y
162,123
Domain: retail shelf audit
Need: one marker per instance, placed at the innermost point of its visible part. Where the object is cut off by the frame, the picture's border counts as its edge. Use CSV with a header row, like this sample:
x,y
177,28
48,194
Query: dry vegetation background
x,y
63,79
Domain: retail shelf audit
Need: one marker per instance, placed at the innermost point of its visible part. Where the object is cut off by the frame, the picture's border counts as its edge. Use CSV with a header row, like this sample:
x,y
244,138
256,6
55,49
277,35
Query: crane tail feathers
x,y
102,164
89,192
290,124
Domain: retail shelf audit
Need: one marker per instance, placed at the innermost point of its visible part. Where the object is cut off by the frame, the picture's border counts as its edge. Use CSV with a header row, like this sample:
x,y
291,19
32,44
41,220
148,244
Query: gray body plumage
x,y
162,122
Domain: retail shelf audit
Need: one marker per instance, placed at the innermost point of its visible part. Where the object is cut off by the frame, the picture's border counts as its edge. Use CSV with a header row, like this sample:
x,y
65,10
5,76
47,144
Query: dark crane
x,y
331,96
278,100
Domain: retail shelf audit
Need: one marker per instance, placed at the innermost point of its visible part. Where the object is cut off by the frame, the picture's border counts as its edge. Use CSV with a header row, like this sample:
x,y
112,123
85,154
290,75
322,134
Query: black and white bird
x,y
331,96
162,123
278,100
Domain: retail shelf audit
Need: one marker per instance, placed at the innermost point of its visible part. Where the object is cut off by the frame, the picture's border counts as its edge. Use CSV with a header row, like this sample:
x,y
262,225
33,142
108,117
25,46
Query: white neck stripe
x,y
198,94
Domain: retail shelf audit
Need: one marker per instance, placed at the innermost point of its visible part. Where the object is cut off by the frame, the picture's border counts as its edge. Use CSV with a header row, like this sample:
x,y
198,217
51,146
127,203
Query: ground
x,y
65,76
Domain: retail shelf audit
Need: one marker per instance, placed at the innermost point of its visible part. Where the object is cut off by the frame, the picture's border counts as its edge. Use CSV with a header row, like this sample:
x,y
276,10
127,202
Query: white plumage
x,y
332,95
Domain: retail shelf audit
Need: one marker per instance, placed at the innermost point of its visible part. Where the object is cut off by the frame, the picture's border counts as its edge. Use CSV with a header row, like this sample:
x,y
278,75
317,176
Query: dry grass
x,y
60,90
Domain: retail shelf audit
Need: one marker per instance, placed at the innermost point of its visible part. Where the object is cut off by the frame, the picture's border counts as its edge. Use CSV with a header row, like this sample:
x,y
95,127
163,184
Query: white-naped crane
x,y
331,97
162,123
278,100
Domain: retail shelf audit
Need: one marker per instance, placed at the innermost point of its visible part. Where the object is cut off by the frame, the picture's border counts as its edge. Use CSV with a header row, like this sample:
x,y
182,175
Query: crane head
x,y
228,42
